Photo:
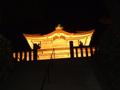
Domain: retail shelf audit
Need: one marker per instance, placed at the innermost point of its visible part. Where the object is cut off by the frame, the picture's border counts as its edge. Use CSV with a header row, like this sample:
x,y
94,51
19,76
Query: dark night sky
x,y
41,16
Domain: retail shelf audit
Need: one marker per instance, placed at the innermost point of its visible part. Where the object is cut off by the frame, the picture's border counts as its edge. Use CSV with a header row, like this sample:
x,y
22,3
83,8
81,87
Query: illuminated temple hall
x,y
55,45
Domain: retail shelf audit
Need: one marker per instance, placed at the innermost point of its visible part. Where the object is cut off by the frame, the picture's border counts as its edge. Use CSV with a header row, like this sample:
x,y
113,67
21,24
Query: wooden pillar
x,y
35,48
71,50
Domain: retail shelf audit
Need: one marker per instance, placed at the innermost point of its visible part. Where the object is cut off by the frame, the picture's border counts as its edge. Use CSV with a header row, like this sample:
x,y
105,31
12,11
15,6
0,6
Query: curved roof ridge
x,y
59,29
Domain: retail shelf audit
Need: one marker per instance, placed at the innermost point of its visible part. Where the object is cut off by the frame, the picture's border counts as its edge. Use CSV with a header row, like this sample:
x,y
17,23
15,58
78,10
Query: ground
x,y
57,75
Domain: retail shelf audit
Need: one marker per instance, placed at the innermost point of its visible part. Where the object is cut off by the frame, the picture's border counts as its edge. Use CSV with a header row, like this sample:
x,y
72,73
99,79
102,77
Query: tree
x,y
109,48
5,58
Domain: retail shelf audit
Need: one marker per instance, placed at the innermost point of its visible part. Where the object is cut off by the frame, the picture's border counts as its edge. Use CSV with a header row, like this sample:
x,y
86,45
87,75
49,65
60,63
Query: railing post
x,y
86,51
25,55
30,55
71,50
16,55
91,51
76,49
20,55
81,49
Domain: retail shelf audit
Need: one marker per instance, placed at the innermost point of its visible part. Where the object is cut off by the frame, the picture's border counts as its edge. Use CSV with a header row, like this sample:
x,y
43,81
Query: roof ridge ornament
x,y
59,27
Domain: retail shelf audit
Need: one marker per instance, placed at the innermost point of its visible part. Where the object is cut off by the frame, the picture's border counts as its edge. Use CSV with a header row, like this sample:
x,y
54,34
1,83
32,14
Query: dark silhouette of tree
x,y
107,59
5,58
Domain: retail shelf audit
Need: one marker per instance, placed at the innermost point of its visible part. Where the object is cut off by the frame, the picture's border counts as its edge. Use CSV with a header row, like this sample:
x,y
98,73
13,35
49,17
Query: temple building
x,y
55,45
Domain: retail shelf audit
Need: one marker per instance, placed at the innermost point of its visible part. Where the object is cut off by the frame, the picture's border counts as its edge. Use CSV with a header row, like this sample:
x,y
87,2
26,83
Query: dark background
x,y
42,16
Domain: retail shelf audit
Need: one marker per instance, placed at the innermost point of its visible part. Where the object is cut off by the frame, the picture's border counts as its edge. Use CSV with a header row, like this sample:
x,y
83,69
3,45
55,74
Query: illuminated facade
x,y
56,44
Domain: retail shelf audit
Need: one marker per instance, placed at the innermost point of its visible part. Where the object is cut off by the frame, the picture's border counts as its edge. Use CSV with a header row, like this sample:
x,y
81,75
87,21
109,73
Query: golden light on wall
x,y
56,44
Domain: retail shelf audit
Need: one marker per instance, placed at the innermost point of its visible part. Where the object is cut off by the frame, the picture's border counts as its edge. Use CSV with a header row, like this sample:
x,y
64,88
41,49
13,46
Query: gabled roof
x,y
58,32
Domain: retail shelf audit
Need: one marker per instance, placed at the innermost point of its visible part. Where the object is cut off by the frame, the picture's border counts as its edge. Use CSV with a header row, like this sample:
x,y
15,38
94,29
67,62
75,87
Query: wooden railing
x,y
75,52
81,51
26,55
